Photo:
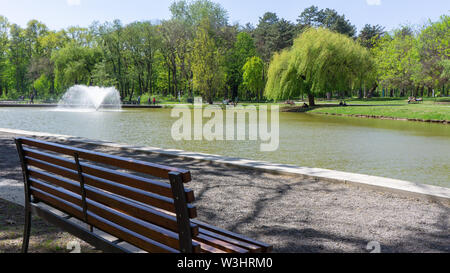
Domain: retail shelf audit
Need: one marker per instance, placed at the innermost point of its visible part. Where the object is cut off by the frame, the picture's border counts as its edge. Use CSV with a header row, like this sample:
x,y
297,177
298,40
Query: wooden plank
x,y
137,195
148,230
137,210
128,236
55,180
222,245
122,190
205,248
58,203
99,222
134,209
134,181
117,161
266,248
64,172
250,247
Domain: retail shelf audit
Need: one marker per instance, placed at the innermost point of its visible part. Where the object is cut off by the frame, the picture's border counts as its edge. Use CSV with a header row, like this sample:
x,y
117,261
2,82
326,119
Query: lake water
x,y
412,151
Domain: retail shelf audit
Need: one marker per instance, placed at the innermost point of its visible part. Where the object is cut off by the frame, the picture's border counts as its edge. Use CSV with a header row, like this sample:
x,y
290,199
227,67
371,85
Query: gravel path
x,y
293,214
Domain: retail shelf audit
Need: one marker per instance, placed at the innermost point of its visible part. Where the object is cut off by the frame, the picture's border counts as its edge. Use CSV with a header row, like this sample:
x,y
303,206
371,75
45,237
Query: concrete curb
x,y
410,189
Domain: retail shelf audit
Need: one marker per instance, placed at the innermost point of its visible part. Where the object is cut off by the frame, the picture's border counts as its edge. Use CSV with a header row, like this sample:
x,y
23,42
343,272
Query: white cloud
x,y
73,2
373,2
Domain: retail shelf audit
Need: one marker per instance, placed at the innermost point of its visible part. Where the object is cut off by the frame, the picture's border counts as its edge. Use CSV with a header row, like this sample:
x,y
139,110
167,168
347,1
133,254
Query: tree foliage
x,y
326,18
207,63
320,61
197,51
253,76
414,61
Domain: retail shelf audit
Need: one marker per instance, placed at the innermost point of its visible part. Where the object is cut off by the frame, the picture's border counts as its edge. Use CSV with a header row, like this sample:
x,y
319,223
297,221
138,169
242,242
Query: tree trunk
x,y
168,81
311,100
370,93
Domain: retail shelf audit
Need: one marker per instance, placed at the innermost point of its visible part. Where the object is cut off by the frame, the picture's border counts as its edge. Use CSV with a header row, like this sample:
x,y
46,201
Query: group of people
x,y
231,102
150,101
32,96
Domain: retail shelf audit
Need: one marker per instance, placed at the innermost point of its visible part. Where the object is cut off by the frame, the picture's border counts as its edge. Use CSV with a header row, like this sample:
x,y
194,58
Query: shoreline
x,y
406,188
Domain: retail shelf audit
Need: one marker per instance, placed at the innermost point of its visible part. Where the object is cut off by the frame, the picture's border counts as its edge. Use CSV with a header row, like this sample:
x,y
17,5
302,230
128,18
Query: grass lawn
x,y
424,111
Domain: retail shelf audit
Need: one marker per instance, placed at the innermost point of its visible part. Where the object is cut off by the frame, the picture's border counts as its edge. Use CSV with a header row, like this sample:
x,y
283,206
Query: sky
x,y
58,14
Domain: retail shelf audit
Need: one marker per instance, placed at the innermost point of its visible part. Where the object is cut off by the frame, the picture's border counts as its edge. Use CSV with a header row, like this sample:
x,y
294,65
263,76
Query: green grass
x,y
413,111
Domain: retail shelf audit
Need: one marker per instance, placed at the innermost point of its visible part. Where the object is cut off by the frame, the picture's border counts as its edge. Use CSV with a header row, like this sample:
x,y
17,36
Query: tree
x,y
195,12
409,60
3,54
433,47
141,41
254,76
243,49
370,34
327,18
171,32
74,64
320,61
19,59
111,36
207,63
396,60
266,34
285,35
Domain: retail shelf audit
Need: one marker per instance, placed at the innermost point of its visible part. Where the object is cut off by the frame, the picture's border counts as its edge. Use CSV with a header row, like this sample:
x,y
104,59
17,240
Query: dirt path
x,y
294,214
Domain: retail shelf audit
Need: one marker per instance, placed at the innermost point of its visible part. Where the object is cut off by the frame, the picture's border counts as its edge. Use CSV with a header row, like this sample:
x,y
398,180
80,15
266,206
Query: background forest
x,y
198,52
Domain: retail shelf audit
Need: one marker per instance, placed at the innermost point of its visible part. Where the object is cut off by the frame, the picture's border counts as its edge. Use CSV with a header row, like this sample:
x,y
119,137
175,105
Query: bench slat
x,y
134,209
205,248
222,245
138,182
117,161
250,247
148,230
122,190
266,248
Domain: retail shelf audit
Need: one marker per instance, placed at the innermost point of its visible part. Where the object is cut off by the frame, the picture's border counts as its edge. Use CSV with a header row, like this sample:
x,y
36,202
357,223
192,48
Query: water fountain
x,y
81,97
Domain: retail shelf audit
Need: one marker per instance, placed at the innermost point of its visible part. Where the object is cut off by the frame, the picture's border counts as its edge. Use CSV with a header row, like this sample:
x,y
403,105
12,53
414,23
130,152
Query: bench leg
x,y
26,230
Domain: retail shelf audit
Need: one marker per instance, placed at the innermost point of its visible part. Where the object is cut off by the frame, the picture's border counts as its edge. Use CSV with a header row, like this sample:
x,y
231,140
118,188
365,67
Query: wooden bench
x,y
136,203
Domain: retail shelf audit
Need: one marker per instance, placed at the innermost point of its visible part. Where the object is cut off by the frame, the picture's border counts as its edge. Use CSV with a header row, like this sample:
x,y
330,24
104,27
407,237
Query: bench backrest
x,y
126,198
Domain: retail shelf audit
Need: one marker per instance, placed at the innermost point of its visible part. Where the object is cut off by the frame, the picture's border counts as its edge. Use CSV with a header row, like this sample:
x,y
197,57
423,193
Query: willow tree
x,y
320,61
253,77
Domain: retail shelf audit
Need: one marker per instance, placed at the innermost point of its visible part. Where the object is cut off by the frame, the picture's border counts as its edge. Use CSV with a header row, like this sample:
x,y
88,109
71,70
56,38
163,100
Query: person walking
x,y
32,98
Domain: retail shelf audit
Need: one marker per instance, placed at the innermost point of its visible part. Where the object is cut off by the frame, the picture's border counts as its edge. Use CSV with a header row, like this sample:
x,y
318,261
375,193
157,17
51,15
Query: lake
x,y
412,151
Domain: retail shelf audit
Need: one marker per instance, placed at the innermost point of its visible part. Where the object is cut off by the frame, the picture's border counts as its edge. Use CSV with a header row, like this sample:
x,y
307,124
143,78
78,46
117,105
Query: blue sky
x,y
59,14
